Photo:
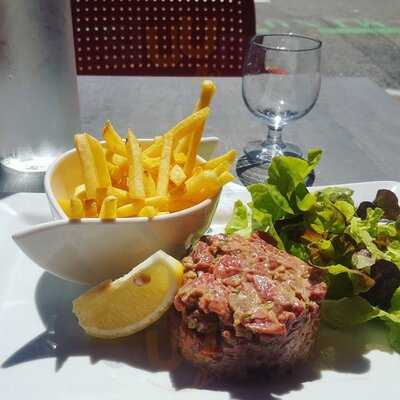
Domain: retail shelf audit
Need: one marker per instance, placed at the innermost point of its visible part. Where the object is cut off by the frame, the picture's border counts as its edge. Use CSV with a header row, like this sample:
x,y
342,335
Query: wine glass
x,y
281,83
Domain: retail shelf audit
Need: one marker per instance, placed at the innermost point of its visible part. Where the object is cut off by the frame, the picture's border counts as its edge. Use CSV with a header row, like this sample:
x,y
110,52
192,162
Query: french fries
x,y
100,162
150,163
121,195
180,157
90,209
159,202
80,192
154,150
225,178
207,91
94,164
177,175
202,186
189,124
215,162
76,208
163,172
120,161
135,175
116,172
101,194
121,179
87,164
149,184
114,142
130,210
148,211
181,150
109,208
222,167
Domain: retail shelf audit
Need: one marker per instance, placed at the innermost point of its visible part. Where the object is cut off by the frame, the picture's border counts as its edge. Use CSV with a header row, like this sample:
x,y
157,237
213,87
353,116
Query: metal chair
x,y
162,37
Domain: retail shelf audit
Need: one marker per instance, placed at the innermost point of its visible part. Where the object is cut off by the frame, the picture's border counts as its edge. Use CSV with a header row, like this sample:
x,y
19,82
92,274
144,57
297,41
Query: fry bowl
x,y
90,250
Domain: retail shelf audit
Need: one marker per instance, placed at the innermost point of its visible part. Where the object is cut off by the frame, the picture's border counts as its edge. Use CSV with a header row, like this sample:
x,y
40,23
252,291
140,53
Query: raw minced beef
x,y
245,304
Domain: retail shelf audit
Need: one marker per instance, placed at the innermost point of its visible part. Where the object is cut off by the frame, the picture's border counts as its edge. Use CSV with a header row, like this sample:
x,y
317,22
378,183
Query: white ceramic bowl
x,y
90,250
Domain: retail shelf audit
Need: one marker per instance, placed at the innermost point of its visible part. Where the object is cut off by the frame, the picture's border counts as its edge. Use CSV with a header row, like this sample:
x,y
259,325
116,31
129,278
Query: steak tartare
x,y
245,304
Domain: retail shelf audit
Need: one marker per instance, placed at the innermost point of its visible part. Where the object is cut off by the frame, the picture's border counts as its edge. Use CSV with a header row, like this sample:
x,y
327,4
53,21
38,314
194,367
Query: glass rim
x,y
317,42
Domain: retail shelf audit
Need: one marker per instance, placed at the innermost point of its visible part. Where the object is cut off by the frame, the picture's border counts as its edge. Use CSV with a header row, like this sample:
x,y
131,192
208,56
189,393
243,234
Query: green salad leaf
x,y
267,199
286,173
370,232
282,196
240,221
245,220
393,252
336,193
346,208
388,230
363,231
298,249
393,321
314,157
303,199
347,311
350,311
394,310
344,282
263,222
393,335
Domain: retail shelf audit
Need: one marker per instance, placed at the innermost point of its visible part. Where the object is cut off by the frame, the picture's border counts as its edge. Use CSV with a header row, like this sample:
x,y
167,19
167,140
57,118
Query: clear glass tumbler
x,y
39,108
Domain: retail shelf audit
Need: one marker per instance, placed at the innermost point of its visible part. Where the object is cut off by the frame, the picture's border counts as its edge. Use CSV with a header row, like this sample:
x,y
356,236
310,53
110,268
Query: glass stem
x,y
274,136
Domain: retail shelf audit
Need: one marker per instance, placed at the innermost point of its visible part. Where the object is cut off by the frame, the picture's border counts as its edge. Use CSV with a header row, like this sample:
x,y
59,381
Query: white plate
x,y
44,354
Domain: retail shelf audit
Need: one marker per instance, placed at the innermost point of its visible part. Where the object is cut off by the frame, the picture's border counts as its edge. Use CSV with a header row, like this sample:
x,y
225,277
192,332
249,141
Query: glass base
x,y
258,151
27,164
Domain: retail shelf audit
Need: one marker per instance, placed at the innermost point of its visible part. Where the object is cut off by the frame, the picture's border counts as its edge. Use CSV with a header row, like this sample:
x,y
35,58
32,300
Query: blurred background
x,y
361,37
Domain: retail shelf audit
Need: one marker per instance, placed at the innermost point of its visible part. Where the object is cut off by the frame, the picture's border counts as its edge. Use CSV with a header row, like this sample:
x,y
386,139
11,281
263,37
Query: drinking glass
x,y
281,83
39,107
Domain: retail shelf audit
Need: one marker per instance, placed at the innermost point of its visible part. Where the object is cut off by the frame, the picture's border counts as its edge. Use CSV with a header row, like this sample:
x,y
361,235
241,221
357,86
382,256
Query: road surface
x,y
360,37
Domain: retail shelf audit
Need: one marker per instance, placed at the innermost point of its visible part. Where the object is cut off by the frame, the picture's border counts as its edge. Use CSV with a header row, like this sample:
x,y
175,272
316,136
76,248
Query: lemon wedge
x,y
131,303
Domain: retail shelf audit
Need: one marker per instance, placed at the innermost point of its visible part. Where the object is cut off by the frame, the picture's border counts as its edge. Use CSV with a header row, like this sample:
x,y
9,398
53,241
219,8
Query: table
x,y
355,122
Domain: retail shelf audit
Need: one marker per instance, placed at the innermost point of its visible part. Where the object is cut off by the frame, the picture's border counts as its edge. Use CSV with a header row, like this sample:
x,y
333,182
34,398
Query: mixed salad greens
x,y
358,248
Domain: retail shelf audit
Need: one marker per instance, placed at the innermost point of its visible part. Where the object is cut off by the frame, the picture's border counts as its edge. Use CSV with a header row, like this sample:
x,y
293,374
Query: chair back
x,y
162,37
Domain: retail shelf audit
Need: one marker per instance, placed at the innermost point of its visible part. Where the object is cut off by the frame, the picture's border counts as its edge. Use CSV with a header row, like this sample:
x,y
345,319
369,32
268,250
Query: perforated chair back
x,y
162,37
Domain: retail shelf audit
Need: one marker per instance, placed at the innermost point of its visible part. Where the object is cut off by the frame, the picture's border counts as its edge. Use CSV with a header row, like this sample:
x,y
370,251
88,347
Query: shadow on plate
x,y
63,338
154,350
5,195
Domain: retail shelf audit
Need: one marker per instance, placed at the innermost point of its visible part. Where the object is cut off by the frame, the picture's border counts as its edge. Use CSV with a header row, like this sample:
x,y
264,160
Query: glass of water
x,y
281,83
39,107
